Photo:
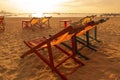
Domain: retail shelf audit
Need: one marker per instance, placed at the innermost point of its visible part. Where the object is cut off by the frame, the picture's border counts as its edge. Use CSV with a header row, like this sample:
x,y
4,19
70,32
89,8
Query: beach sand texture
x,y
104,64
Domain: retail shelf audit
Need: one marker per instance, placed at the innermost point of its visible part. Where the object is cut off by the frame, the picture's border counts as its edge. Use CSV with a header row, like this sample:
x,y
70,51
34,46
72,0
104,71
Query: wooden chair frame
x,y
86,43
64,35
2,23
48,42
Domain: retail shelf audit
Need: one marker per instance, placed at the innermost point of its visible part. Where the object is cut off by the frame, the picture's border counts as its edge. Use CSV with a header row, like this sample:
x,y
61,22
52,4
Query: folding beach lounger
x,y
88,35
30,23
45,21
86,42
2,23
36,22
38,44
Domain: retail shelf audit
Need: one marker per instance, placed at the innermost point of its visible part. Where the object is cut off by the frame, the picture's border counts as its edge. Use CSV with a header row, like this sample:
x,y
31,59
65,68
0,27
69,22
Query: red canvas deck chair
x,y
38,44
2,23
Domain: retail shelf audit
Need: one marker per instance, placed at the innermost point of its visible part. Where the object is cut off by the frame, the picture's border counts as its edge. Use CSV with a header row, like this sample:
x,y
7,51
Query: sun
x,y
38,6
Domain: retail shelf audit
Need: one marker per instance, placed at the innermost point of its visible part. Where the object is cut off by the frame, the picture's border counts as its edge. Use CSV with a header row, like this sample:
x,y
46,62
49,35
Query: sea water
x,y
49,14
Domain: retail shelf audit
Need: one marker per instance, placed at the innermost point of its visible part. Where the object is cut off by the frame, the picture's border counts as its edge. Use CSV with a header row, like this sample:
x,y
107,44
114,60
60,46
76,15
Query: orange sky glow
x,y
67,6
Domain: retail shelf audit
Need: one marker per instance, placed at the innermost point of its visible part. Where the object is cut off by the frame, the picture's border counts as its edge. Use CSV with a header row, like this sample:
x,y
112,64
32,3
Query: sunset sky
x,y
67,6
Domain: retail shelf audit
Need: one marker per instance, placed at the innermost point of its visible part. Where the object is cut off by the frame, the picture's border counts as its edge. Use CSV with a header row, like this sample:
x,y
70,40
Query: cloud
x,y
71,5
89,3
92,5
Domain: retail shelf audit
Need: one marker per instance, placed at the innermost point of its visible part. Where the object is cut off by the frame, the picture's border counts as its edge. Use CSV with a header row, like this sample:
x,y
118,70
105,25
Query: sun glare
x,y
38,6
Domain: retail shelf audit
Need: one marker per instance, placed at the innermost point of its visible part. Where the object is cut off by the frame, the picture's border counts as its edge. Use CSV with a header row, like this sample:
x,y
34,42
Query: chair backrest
x,y
65,37
86,19
62,36
83,21
44,20
34,20
39,21
91,24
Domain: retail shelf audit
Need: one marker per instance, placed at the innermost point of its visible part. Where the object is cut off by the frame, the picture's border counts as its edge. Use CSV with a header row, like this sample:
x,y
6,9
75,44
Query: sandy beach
x,y
104,64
